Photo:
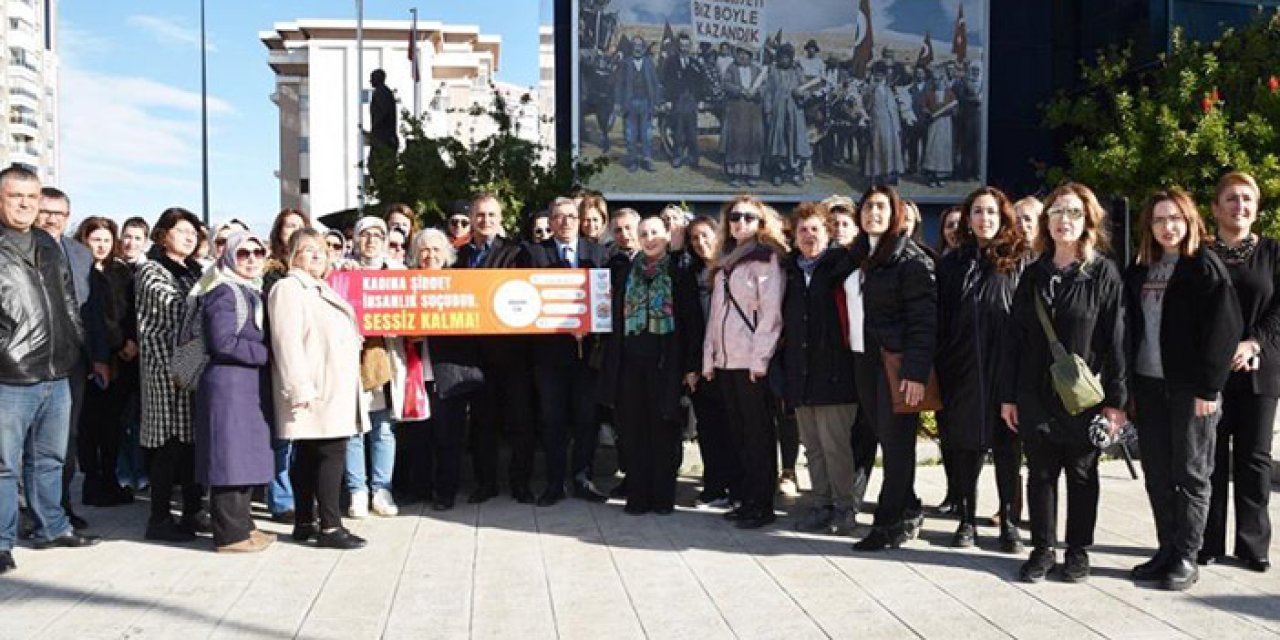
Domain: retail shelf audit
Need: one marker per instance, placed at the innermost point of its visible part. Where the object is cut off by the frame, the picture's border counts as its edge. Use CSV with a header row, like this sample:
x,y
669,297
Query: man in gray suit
x,y
53,218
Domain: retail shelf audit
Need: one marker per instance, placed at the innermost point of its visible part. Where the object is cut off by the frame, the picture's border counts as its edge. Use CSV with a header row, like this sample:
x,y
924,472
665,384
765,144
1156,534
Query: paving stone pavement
x,y
578,570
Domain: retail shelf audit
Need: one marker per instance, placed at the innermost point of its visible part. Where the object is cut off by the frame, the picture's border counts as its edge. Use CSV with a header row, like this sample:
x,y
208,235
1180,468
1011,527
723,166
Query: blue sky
x,y
130,95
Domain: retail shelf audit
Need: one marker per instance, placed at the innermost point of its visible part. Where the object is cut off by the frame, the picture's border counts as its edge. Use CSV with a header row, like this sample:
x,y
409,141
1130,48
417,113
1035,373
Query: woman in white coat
x,y
316,383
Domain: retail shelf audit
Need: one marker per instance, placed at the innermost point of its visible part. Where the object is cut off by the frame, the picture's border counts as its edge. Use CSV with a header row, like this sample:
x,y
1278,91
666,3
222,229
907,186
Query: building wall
x,y
29,86
316,91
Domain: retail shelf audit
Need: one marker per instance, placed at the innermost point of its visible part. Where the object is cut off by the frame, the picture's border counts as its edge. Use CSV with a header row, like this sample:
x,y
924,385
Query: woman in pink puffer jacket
x,y
743,327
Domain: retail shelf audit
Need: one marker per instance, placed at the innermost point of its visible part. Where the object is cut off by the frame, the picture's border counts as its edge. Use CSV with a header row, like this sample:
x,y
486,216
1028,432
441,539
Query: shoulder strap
x,y
1055,345
728,293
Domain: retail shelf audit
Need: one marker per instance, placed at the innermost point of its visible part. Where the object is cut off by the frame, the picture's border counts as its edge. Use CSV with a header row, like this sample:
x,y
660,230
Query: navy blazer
x,y
563,350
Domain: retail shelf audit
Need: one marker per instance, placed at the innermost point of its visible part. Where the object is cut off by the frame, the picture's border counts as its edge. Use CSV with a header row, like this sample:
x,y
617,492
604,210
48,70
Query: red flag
x,y
960,42
863,49
413,49
925,57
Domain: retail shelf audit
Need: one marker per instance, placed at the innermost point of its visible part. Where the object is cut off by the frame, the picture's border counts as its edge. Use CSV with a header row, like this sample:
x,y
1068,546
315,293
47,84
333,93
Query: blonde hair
x,y
768,234
1096,236
1149,250
1235,179
1030,202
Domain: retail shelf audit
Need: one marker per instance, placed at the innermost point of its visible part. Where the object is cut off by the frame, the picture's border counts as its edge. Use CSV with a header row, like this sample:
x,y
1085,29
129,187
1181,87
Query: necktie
x,y
566,254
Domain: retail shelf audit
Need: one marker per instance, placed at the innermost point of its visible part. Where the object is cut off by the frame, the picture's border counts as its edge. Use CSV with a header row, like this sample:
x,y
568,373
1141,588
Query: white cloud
x,y
129,132
170,31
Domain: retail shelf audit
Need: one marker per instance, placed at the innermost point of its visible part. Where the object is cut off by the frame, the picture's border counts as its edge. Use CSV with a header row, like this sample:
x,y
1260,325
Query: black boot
x,y
1010,537
966,535
1075,567
1180,574
1038,565
1155,568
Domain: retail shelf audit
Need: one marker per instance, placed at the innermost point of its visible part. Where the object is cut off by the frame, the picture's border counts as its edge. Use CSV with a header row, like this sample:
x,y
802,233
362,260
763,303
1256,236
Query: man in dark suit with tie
x,y
504,405
563,373
53,218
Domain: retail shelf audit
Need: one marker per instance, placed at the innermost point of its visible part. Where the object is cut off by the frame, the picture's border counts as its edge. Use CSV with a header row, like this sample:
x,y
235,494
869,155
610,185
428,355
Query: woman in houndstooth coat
x,y
162,284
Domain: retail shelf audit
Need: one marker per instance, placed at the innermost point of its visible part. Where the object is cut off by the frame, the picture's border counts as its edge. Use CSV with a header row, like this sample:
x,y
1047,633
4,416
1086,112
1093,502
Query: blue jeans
x,y
382,455
280,490
34,426
131,466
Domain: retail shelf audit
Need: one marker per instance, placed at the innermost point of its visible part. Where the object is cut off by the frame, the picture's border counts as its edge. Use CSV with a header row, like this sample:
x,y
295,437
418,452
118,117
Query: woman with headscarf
x,y
233,438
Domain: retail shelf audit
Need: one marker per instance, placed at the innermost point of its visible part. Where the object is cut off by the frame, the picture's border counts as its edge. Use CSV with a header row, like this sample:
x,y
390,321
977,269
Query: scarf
x,y
807,265
223,272
1237,254
648,306
186,273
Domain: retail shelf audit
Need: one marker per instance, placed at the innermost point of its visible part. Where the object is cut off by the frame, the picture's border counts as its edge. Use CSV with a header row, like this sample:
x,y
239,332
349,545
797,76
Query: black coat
x,y
1087,312
900,303
493,351
1255,282
563,350
816,361
974,304
681,349
1200,323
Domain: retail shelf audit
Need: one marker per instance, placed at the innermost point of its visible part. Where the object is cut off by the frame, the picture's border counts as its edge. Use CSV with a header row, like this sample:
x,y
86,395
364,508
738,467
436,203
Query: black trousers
x,y
101,430
172,464
750,425
1046,462
316,476
567,399
229,511
721,473
896,434
504,407
1177,461
77,380
864,455
1243,456
652,441
411,476
788,433
443,438
966,469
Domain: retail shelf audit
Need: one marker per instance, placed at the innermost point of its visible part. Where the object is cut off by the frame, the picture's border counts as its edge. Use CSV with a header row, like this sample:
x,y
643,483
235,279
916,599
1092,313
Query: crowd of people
x,y
786,110
242,370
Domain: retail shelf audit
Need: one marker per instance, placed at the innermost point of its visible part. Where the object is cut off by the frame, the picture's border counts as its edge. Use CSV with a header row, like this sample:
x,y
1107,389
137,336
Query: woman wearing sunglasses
x,y
232,436
1081,295
742,332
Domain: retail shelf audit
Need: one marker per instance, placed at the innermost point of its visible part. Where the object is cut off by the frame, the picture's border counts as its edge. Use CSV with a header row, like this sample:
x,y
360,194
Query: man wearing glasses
x,y
460,224
562,367
504,405
53,218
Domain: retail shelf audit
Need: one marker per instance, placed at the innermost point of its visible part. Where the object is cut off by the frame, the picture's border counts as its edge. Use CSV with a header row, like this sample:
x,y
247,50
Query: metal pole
x,y
417,66
360,164
204,120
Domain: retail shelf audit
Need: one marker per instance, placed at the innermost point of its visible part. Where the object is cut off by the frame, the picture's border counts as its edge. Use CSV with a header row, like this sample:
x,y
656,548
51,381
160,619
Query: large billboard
x,y
789,99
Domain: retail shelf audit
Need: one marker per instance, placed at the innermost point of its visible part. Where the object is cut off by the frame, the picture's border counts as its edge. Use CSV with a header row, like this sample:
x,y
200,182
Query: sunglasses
x,y
396,245
1074,213
258,253
335,245
460,222
220,242
743,216
541,232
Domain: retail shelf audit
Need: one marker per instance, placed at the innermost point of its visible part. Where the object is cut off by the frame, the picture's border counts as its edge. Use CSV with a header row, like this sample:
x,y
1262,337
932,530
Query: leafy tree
x,y
1200,110
430,173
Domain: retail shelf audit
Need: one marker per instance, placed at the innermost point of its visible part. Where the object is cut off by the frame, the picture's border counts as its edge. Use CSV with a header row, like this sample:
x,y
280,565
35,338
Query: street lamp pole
x,y
204,120
361,162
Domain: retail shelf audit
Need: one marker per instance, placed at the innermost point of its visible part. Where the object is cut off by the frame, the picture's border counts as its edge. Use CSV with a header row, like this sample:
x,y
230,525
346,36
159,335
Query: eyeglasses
x,y
55,214
460,222
1073,213
372,235
743,216
335,246
220,242
395,245
541,232
245,254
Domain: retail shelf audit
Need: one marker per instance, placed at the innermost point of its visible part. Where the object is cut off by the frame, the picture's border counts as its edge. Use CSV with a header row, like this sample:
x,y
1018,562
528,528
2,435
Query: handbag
x,y
932,400
1079,388
190,354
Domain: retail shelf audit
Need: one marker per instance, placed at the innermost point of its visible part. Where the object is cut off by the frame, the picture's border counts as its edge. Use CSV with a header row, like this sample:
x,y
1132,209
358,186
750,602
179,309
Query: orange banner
x,y
478,301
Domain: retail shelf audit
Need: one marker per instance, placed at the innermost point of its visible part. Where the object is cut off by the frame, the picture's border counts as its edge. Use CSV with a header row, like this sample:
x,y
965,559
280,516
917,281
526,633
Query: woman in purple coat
x,y
233,437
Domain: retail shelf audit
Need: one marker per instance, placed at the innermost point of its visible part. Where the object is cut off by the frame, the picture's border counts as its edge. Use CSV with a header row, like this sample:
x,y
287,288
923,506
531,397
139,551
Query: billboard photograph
x,y
698,99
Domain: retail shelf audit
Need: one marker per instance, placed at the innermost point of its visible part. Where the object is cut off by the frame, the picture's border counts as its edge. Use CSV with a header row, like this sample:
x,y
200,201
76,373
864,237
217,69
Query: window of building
x,y
19,57
304,144
304,186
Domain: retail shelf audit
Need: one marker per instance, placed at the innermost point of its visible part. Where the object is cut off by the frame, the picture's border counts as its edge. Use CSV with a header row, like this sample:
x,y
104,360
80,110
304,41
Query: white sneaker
x,y
383,504
359,505
787,485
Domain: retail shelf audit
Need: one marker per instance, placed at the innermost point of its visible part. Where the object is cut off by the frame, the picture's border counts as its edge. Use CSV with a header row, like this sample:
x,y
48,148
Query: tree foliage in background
x,y
1200,110
431,173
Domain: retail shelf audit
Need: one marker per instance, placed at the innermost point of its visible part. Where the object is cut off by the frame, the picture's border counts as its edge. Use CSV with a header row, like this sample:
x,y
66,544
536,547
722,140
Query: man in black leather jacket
x,y
41,340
